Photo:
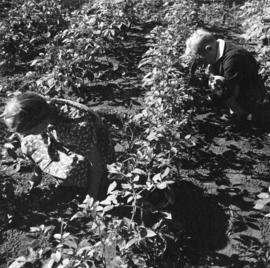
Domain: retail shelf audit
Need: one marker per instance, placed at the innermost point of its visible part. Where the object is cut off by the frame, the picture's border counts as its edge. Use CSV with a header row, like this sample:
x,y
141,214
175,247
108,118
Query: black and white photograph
x,y
134,133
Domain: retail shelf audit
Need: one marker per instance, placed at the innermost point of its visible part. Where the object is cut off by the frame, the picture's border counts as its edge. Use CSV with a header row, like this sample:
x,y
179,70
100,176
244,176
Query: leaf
x,y
157,178
131,242
71,244
126,186
65,235
152,136
65,263
114,62
119,148
130,199
109,200
84,243
150,233
114,168
34,62
119,1
162,185
166,172
263,195
47,229
89,201
138,171
56,256
82,250
111,187
51,82
107,208
144,232
167,215
261,203
145,62
137,116
79,214
34,229
18,263
9,146
68,251
136,178
49,264
57,236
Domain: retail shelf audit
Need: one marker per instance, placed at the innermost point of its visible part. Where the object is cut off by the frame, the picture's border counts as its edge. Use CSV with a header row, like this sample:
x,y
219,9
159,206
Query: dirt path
x,y
231,162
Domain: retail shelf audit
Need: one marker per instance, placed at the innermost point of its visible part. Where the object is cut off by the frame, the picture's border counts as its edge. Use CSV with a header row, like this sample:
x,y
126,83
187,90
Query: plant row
x,y
60,51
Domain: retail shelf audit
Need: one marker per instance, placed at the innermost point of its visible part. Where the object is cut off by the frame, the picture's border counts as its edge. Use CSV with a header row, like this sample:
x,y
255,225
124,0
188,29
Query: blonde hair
x,y
196,43
27,110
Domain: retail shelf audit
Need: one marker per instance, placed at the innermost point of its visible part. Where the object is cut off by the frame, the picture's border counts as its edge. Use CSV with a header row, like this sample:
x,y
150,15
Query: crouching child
x,y
234,74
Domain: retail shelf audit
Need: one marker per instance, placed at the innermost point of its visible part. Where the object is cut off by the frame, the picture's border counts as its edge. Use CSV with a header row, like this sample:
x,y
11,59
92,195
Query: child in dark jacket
x,y
233,67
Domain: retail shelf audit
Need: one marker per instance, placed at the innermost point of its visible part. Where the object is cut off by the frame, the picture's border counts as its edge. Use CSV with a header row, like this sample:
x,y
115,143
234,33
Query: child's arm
x,y
36,177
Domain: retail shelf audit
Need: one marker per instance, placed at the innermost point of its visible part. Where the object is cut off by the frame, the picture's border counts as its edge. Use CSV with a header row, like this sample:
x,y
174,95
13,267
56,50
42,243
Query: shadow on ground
x,y
230,159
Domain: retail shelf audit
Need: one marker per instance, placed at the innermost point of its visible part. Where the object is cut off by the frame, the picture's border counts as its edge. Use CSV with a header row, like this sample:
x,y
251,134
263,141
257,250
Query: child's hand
x,y
35,178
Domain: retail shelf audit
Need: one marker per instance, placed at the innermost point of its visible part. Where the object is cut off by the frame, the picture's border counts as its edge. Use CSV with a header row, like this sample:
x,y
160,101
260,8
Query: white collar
x,y
221,48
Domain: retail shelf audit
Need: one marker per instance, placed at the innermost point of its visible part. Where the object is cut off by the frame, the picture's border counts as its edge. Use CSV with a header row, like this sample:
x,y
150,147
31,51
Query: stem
x,y
101,240
134,207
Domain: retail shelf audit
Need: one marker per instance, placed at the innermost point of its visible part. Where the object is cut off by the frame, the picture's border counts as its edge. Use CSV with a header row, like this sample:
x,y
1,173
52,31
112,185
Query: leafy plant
x,y
134,226
90,50
30,25
256,28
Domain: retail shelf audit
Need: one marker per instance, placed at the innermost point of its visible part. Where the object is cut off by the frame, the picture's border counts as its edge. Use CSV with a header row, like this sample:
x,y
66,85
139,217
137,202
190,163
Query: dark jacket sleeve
x,y
234,70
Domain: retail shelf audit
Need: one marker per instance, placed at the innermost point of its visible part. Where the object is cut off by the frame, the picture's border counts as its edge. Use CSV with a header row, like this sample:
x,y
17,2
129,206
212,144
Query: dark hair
x,y
28,109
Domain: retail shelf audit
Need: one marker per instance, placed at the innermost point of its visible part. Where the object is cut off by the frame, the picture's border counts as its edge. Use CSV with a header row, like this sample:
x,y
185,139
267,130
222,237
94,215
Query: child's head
x,y
204,44
27,113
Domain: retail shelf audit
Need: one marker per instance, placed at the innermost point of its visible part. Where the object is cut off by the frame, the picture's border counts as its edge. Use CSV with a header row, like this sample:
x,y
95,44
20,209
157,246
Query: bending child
x,y
234,68
63,138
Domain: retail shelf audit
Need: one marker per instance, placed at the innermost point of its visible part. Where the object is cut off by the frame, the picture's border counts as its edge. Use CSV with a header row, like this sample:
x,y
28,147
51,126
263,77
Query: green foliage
x,y
30,25
106,242
67,53
253,15
71,52
87,50
169,100
254,25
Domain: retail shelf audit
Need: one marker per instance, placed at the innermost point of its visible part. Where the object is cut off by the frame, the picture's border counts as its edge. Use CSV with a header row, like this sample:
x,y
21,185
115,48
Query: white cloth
x,y
221,48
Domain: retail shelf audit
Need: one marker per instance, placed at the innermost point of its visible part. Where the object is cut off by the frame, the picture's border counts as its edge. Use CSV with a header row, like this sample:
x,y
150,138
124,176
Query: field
x,y
190,184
